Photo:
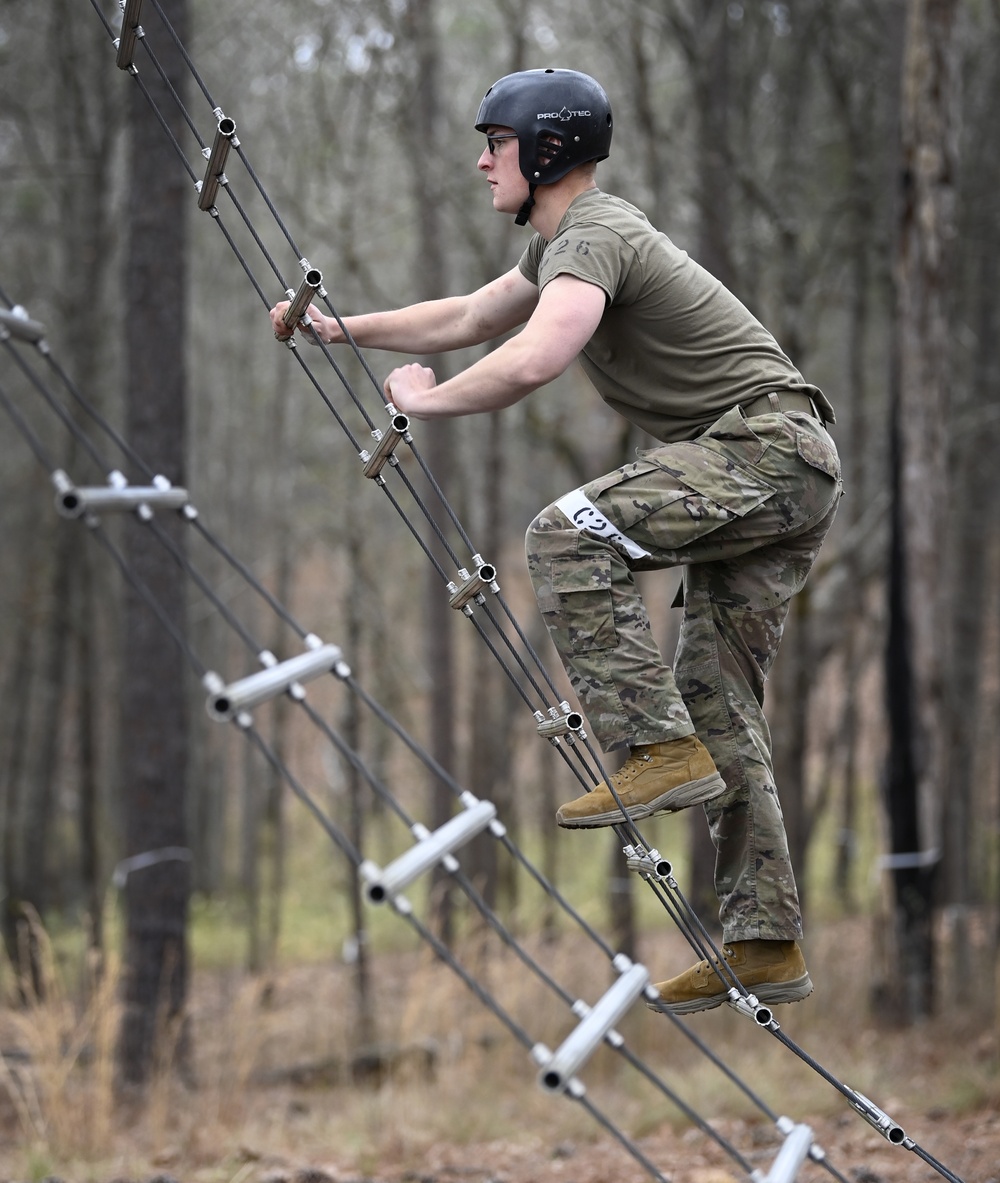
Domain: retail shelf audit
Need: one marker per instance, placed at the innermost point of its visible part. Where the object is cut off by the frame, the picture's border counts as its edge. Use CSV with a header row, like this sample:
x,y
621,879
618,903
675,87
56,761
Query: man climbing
x,y
739,494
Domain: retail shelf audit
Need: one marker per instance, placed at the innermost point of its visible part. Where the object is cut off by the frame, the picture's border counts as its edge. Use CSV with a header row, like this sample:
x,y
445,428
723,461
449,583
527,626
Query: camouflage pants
x,y
743,509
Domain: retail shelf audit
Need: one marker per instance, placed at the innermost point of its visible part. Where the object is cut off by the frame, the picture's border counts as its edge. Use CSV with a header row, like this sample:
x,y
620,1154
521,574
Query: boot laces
x,y
631,767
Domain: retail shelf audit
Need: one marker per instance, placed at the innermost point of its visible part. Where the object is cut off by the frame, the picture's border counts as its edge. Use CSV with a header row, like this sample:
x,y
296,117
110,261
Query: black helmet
x,y
562,118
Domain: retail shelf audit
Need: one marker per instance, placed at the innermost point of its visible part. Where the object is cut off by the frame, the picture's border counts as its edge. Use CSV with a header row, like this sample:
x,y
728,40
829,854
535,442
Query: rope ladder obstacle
x,y
473,589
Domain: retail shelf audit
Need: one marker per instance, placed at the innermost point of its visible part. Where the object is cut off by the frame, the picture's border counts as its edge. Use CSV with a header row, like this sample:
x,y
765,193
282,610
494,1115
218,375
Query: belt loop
x,y
775,402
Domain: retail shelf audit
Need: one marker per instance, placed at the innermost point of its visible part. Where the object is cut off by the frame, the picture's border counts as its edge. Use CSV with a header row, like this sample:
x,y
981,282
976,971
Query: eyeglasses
x,y
491,141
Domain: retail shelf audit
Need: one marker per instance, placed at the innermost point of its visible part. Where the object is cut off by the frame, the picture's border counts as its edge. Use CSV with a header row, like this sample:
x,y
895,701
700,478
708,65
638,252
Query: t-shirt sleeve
x,y
528,263
591,252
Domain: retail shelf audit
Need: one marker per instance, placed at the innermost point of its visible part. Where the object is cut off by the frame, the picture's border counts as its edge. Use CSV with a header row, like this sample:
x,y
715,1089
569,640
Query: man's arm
x,y
434,326
565,317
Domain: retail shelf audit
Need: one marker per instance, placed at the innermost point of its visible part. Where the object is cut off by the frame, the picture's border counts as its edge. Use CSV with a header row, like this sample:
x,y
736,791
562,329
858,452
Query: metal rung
x,y
229,702
794,1151
386,883
18,324
560,722
650,864
312,281
751,1007
386,442
116,496
131,30
881,1121
225,138
596,1026
483,578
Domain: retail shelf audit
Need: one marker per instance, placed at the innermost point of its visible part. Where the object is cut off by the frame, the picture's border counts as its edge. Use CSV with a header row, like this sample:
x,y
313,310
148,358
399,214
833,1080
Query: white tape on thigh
x,y
588,519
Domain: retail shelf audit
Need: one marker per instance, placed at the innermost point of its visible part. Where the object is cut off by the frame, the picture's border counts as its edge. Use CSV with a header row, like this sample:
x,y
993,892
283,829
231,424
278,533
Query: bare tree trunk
x,y
624,934
153,717
425,115
974,538
87,732
364,1027
794,677
17,934
489,761
929,118
88,97
704,37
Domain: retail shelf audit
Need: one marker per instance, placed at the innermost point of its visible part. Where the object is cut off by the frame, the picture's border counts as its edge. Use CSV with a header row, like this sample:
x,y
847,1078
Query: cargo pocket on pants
x,y
581,607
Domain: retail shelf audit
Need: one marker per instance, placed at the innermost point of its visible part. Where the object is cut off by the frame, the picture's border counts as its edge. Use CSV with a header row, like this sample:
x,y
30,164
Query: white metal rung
x,y
73,501
227,702
596,1025
431,848
793,1153
19,324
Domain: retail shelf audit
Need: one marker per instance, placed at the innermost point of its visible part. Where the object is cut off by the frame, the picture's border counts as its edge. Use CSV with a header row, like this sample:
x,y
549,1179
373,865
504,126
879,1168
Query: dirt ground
x,y
968,1147
277,1097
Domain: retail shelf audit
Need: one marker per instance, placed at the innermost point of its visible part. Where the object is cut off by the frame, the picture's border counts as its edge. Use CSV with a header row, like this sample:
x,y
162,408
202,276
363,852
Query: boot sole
x,y
695,792
767,993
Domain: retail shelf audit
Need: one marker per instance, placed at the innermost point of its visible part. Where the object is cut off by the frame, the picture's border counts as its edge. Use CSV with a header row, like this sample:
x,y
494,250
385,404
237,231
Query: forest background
x,y
831,162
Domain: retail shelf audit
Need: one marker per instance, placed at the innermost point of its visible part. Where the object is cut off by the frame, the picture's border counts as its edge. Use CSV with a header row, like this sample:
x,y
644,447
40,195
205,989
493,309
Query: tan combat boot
x,y
656,778
775,971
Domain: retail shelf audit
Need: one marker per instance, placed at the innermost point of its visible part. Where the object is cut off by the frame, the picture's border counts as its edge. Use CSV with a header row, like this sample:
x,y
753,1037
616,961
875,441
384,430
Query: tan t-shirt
x,y
674,349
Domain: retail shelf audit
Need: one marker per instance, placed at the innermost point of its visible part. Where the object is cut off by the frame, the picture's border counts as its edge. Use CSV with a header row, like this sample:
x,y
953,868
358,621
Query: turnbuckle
x,y
880,1120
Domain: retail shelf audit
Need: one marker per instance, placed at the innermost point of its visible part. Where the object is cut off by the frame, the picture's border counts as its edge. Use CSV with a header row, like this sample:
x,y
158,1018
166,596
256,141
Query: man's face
x,y
503,173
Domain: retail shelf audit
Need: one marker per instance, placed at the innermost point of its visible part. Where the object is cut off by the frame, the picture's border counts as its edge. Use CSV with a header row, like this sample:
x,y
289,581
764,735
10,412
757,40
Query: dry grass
x,y
279,1083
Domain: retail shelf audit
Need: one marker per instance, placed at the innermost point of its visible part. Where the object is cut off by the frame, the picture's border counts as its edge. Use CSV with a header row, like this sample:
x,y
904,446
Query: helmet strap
x,y
522,213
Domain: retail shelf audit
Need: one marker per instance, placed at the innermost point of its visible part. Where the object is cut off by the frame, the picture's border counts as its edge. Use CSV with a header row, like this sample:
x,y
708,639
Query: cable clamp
x,y
215,175
472,586
597,1025
649,864
880,1120
227,703
561,720
15,322
386,442
131,30
118,496
385,883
